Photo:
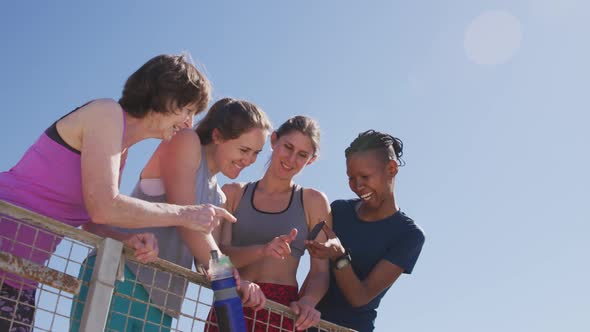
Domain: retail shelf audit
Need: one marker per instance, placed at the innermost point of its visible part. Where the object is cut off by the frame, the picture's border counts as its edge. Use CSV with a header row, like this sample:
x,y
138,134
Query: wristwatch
x,y
342,261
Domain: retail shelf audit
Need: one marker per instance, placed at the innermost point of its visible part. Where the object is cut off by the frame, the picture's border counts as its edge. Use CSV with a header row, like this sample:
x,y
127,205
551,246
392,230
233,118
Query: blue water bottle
x,y
227,302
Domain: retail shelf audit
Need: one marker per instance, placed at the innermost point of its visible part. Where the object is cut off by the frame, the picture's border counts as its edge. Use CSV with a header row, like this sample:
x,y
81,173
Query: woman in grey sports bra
x,y
183,171
274,217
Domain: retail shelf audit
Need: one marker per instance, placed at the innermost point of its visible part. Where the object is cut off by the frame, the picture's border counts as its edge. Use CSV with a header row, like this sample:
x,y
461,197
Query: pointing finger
x,y
293,234
221,212
289,237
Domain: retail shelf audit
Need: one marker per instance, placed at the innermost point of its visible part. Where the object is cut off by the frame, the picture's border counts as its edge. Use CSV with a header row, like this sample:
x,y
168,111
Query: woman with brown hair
x,y
275,216
72,173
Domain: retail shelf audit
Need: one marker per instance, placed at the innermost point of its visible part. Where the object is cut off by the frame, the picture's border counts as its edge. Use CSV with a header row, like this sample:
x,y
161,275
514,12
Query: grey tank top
x,y
165,289
258,227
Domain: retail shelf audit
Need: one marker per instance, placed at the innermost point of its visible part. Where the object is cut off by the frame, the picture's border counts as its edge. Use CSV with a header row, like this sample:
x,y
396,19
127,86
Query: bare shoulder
x,y
102,114
187,135
233,189
313,196
105,103
185,142
98,113
102,108
99,121
233,193
317,206
181,152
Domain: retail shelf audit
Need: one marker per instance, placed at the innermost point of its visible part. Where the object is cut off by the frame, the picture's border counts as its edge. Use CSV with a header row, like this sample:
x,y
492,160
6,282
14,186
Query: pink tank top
x,y
48,181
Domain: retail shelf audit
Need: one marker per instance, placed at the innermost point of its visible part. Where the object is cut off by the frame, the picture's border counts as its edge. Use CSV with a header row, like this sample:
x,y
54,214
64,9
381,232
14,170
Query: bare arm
x,y
105,231
356,291
145,245
360,292
123,161
317,280
180,159
240,256
101,148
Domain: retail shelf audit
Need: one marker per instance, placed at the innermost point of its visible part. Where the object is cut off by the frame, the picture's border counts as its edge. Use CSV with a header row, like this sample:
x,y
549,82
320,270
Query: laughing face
x,y
233,155
291,152
370,177
169,124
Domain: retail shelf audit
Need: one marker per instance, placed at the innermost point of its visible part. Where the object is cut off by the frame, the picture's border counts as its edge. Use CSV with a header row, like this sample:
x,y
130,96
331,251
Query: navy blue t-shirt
x,y
396,239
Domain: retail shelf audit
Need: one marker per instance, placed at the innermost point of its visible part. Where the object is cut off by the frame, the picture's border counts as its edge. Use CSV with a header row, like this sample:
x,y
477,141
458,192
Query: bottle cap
x,y
220,267
214,256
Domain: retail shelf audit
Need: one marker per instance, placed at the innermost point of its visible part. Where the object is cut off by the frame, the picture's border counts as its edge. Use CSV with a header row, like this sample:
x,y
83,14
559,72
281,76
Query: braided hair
x,y
390,148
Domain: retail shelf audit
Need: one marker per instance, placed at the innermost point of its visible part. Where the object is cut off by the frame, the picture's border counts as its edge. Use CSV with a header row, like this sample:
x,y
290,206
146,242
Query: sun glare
x,y
492,38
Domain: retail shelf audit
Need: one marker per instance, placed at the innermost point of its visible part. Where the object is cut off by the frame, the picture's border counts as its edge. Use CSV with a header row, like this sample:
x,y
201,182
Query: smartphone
x,y
316,230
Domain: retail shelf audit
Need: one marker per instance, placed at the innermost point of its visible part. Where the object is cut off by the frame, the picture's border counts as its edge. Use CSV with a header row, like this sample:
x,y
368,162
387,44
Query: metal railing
x,y
75,292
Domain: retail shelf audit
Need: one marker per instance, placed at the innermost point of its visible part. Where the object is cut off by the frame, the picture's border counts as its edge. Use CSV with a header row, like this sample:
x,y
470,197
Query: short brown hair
x,y
163,83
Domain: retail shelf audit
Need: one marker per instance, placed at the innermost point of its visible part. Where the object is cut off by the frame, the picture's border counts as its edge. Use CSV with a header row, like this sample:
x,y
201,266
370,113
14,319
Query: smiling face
x,y
170,123
291,152
370,177
233,155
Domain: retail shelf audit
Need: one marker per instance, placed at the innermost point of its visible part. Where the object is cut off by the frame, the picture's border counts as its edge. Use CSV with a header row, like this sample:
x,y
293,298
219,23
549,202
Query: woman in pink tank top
x,y
72,173
183,171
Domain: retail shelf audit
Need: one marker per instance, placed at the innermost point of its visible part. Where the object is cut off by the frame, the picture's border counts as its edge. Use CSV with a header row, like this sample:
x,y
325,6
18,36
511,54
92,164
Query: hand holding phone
x,y
316,230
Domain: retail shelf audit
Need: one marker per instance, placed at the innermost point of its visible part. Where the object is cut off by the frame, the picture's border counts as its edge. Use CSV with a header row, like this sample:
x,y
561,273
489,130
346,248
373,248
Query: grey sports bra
x,y
259,227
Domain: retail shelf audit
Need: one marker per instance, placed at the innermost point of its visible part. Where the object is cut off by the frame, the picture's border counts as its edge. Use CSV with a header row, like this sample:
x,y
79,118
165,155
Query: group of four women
x,y
178,212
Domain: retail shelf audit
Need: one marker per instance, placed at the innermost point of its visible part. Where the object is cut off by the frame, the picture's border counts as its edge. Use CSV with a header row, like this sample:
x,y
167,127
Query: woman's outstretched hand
x,y
280,246
331,249
205,217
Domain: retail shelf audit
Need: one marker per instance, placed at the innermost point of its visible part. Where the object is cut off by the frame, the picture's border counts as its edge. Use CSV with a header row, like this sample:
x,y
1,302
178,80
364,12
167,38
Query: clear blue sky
x,y
492,112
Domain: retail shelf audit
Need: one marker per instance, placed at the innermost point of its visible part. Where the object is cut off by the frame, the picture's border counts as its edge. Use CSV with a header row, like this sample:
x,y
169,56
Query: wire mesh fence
x,y
54,277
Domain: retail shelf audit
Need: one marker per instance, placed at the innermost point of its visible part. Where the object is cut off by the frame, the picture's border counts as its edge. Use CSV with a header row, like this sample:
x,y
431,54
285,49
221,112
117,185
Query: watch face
x,y
342,262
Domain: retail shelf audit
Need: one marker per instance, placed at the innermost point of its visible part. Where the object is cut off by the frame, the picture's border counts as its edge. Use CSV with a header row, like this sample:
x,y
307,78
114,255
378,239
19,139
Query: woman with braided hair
x,y
373,242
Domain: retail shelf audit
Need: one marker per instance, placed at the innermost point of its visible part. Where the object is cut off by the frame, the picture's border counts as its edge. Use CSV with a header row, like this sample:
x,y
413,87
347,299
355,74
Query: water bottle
x,y
227,302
